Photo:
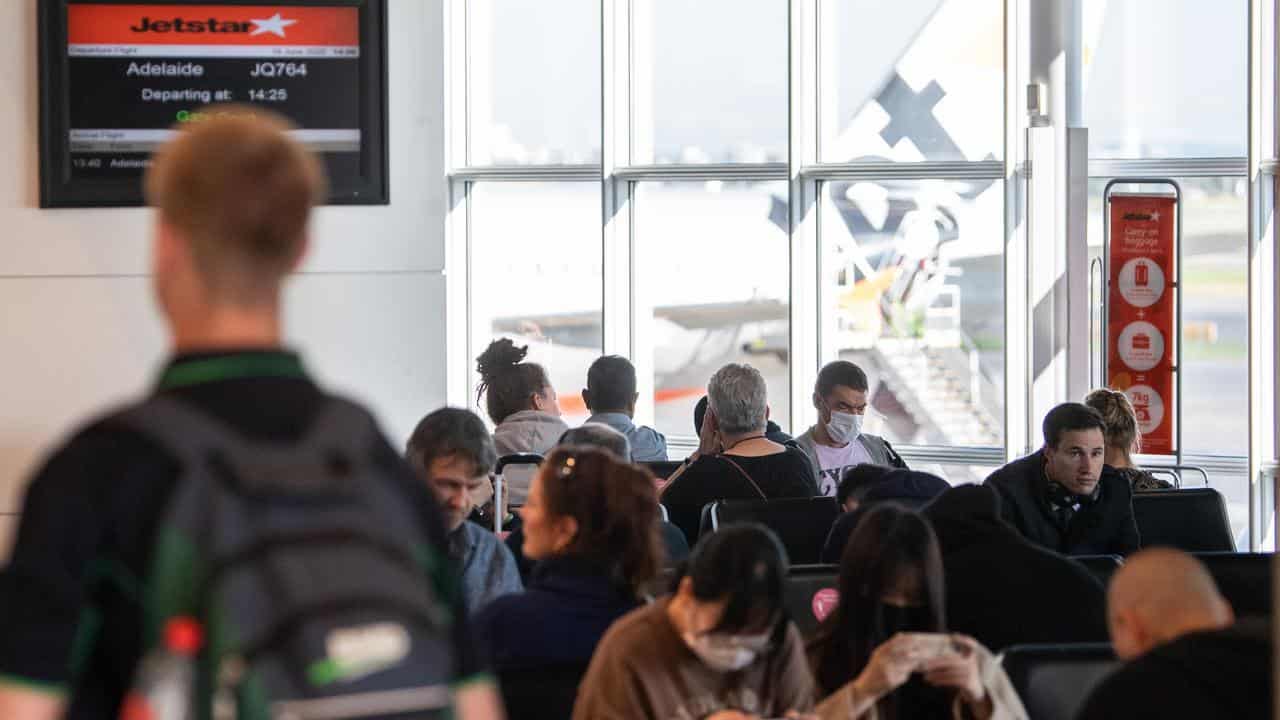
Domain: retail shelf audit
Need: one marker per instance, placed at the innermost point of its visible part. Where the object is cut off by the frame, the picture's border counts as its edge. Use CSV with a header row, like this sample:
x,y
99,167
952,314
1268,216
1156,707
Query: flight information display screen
x,y
121,77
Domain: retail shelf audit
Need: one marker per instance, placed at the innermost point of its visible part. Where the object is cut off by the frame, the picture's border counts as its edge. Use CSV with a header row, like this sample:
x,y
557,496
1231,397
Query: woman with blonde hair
x,y
1122,438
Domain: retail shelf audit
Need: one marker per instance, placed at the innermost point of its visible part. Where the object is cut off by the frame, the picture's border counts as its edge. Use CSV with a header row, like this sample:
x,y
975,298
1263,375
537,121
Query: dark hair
x,y
452,432
611,383
1068,417
508,381
745,564
889,541
616,507
699,412
840,372
598,435
858,479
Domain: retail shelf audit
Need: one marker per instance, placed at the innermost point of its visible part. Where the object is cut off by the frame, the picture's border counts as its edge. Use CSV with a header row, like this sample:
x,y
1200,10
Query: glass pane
x,y
1166,79
913,292
536,278
710,81
957,474
534,82
712,267
1215,310
924,81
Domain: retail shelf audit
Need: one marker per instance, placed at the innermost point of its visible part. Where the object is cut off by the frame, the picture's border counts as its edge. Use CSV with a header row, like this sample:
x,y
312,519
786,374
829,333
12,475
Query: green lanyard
x,y
231,367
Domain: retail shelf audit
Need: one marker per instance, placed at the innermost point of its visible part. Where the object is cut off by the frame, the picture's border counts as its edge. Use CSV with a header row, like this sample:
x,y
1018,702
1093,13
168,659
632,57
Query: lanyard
x,y
231,367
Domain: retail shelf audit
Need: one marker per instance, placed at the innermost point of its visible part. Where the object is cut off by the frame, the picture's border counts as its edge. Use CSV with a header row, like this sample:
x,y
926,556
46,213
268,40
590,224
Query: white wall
x,y
77,327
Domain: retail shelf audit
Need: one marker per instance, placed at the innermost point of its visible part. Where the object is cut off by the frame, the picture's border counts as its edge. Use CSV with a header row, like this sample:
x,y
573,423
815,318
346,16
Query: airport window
x,y
709,81
1149,92
536,277
533,95
922,83
712,280
913,292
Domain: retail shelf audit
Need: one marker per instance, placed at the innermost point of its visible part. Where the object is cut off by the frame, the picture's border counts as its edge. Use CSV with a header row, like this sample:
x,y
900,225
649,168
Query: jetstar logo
x,y
274,25
1139,216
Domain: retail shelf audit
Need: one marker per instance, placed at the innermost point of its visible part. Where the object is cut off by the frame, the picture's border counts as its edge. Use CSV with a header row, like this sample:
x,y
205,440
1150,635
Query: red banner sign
x,y
1141,323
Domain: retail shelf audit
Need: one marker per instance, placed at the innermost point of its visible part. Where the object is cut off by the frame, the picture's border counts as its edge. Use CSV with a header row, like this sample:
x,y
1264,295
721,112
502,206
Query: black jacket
x,y
557,620
1002,589
1217,674
1103,527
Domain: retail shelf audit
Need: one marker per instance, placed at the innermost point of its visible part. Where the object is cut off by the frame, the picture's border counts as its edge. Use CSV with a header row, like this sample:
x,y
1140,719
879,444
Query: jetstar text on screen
x,y
184,25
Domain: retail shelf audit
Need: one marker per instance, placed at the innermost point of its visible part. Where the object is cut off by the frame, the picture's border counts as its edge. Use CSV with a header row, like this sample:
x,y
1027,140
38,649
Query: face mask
x,y
844,427
898,619
726,653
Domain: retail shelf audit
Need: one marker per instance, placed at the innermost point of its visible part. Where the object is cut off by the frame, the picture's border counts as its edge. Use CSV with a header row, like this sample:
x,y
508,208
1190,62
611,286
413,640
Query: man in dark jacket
x,y
1184,656
1063,497
1002,589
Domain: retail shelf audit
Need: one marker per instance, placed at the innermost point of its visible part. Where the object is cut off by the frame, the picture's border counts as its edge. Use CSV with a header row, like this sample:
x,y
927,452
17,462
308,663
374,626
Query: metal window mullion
x,y
708,171
1264,264
1170,167
804,261
529,173
1017,346
958,170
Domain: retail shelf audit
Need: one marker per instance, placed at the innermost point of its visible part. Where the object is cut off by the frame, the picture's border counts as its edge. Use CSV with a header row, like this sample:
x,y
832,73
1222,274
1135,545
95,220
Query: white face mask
x,y
844,427
726,653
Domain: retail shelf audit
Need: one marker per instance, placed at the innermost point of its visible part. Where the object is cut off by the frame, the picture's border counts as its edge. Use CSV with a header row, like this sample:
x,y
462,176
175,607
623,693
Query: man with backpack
x,y
239,539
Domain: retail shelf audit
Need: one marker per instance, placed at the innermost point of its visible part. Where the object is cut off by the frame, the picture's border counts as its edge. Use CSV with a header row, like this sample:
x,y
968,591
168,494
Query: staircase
x,y
937,393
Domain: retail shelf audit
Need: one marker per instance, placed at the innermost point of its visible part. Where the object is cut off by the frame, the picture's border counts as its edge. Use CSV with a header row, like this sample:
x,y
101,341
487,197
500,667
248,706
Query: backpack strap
x,y
744,474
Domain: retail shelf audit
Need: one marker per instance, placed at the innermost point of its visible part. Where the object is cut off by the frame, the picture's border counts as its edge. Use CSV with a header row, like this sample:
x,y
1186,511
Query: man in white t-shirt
x,y
837,442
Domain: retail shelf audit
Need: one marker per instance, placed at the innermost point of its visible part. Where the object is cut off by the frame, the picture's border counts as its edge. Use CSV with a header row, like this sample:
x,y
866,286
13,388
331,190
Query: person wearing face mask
x,y
837,442
872,658
1063,497
719,647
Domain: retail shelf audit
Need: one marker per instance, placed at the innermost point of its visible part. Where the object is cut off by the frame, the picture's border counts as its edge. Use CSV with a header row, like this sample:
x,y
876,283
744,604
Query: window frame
x,y
618,177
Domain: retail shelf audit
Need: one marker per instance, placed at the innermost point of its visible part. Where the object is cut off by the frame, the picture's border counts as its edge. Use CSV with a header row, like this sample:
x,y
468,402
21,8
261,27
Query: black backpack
x,y
306,568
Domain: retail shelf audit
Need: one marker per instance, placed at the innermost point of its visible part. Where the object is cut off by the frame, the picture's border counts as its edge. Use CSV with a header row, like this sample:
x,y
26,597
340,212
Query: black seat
x,y
1055,680
1100,566
1244,579
804,583
662,469
1194,520
801,523
541,693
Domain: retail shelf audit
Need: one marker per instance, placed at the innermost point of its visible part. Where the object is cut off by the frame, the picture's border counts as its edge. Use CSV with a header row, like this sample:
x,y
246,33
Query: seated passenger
x,y
598,435
720,646
611,397
1183,658
837,441
452,451
908,488
1122,436
519,399
884,651
734,459
591,526
1047,599
606,438
772,430
1063,497
855,482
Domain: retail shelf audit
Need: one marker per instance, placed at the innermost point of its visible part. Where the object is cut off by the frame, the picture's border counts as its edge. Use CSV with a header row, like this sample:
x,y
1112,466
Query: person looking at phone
x,y
734,459
720,647
885,652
